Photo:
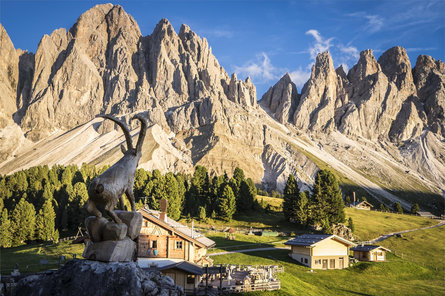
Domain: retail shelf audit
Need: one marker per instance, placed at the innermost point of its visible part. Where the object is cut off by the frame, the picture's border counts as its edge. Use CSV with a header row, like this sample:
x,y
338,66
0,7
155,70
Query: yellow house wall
x,y
330,248
315,265
301,250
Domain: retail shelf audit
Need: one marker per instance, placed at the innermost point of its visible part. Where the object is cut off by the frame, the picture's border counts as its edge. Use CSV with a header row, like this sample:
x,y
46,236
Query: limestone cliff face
x,y
316,108
104,65
281,99
429,78
375,100
9,78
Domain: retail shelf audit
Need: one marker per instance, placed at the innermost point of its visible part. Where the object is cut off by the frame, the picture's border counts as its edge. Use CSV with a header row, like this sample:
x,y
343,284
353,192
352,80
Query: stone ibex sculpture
x,y
107,188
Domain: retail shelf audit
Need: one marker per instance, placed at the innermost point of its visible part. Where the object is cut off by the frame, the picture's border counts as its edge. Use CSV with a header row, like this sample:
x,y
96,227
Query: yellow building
x,y
370,253
320,251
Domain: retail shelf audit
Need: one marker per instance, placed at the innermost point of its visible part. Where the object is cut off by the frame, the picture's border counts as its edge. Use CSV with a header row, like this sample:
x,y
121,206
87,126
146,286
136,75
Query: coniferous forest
x,y
41,202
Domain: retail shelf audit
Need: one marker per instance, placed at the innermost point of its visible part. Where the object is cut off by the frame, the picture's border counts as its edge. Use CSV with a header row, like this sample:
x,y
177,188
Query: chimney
x,y
353,196
164,205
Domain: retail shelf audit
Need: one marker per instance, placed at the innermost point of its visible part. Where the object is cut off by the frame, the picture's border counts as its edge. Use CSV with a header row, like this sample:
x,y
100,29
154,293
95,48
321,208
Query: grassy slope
x,y
396,277
32,254
371,224
425,247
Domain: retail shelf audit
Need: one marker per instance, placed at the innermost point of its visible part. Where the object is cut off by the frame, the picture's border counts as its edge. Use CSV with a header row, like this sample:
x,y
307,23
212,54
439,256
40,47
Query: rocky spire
x,y
316,108
281,99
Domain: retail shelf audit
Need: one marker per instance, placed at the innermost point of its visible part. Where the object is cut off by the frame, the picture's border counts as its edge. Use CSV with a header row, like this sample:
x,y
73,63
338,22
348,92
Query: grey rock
x,y
114,231
133,220
281,99
83,277
110,251
95,227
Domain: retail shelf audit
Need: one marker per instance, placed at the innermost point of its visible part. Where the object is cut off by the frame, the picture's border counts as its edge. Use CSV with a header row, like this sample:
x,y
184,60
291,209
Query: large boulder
x,y
83,277
110,250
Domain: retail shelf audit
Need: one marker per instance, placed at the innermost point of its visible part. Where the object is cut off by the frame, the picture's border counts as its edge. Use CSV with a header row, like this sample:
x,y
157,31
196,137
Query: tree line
x,y
40,202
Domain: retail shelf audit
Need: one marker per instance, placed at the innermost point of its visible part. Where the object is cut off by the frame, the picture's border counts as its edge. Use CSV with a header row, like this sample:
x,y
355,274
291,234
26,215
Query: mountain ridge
x,y
374,122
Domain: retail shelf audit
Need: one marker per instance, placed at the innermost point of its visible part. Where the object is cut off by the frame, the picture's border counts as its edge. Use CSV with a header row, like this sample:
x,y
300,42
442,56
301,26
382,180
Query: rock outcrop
x,y
83,277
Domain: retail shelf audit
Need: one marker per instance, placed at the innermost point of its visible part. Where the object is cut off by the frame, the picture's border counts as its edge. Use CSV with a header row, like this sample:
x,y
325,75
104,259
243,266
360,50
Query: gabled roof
x,y
364,203
425,214
181,230
367,248
310,240
186,266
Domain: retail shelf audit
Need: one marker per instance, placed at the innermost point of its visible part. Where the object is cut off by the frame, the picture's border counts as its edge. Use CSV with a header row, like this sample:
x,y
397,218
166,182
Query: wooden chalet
x,y
363,205
163,237
320,251
370,253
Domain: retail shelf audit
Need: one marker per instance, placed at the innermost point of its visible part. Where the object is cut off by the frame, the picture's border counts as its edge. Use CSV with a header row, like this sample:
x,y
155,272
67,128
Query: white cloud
x,y
321,44
350,50
261,68
375,23
299,77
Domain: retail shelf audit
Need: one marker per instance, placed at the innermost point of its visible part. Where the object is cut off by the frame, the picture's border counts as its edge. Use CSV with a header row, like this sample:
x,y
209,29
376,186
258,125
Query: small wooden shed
x,y
363,205
370,253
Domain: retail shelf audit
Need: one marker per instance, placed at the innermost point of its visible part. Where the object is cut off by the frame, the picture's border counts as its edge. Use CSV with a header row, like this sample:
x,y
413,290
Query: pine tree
x,y
302,210
5,230
351,224
227,203
347,200
174,200
202,214
415,208
246,197
327,201
398,208
23,222
382,207
45,223
291,193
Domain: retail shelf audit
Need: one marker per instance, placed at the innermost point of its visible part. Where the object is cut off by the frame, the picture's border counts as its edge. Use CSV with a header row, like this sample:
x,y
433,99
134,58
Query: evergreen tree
x,y
45,223
415,208
246,197
23,222
382,207
236,180
302,210
290,203
351,224
202,214
327,201
5,230
347,200
326,226
398,208
227,203
174,200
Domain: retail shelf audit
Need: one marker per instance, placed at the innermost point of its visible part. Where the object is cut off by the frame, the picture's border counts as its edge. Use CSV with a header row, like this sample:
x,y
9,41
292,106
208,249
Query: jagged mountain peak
x,y
366,65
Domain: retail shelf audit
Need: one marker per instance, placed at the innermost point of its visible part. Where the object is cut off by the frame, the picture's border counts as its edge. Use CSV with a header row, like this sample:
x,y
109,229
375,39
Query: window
x,y
301,260
305,260
154,244
380,254
317,261
190,279
179,245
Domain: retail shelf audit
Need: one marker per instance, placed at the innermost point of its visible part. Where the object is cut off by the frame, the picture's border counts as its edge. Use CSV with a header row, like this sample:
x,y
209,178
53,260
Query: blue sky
x,y
262,39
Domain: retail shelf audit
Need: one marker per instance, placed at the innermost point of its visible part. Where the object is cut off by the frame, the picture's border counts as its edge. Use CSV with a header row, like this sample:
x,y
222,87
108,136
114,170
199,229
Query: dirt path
x,y
388,235
249,250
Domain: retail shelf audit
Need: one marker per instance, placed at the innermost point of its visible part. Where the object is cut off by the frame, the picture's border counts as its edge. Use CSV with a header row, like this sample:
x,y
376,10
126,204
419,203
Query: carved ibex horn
x,y
142,132
124,129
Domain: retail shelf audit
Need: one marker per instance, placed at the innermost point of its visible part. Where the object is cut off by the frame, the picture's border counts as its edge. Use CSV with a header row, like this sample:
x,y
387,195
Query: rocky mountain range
x,y
380,127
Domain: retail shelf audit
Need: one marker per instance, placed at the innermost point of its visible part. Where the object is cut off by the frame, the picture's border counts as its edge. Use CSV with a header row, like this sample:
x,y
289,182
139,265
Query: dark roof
x,y
309,240
367,248
188,267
